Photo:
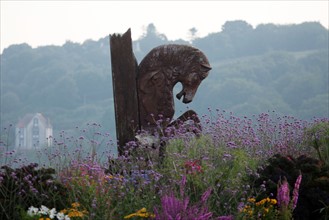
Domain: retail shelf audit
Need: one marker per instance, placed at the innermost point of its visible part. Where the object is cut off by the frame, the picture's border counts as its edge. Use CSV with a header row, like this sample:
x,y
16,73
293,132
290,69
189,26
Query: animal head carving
x,y
158,73
196,69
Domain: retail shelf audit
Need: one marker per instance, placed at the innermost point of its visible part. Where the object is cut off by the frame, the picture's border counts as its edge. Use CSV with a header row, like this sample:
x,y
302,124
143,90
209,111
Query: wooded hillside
x,y
282,68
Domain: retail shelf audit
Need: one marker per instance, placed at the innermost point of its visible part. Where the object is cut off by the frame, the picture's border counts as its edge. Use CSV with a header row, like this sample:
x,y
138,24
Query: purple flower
x,y
94,203
206,195
178,209
34,190
283,197
172,208
231,144
13,175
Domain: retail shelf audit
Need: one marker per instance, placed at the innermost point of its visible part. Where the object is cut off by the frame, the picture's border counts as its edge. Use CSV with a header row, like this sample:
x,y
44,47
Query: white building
x,y
33,131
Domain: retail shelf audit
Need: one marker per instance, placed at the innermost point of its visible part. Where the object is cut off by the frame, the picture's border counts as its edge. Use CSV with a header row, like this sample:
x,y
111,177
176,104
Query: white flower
x,y
61,216
52,213
44,210
32,211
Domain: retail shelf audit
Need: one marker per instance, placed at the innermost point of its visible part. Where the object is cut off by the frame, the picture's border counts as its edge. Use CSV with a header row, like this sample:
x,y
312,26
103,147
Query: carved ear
x,y
206,66
158,79
144,82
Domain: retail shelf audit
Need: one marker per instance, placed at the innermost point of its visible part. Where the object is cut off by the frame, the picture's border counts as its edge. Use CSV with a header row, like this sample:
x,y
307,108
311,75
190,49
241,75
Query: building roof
x,y
22,123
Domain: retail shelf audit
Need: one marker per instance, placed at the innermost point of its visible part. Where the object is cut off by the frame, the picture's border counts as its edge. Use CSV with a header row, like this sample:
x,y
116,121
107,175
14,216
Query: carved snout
x,y
179,95
206,66
188,97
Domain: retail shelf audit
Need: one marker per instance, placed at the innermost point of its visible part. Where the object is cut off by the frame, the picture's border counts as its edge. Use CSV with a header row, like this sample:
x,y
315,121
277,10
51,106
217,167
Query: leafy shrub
x,y
208,164
314,188
23,187
88,184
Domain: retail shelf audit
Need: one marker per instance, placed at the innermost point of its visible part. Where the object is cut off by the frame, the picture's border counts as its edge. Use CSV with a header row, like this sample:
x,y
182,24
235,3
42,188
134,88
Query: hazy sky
x,y
54,22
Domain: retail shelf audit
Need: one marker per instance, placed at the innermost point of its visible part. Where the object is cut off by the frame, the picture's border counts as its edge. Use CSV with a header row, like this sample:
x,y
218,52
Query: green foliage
x,y
220,168
318,137
92,189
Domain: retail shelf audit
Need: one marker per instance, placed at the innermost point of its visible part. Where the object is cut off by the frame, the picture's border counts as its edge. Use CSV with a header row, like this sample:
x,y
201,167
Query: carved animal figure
x,y
161,69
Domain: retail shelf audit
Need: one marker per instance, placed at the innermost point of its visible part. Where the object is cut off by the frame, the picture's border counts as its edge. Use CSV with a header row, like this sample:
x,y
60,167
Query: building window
x,y
21,133
21,136
35,122
35,135
35,131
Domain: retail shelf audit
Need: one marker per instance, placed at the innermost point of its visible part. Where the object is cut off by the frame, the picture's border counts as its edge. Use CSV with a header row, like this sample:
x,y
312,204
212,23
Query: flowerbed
x,y
238,168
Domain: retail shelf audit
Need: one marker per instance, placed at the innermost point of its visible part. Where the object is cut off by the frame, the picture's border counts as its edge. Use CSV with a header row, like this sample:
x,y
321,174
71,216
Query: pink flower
x,y
206,195
193,167
283,194
295,192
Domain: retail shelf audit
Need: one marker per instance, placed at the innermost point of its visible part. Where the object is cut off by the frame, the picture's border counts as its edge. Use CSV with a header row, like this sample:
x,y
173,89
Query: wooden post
x,y
124,72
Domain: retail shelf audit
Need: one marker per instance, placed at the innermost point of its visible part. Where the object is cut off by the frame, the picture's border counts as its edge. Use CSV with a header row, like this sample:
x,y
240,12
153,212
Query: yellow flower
x,y
252,200
75,205
266,200
130,216
246,208
263,201
110,176
140,213
64,211
75,213
44,218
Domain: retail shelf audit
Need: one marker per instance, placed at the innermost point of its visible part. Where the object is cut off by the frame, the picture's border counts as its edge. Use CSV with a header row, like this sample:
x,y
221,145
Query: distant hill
x,y
282,68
